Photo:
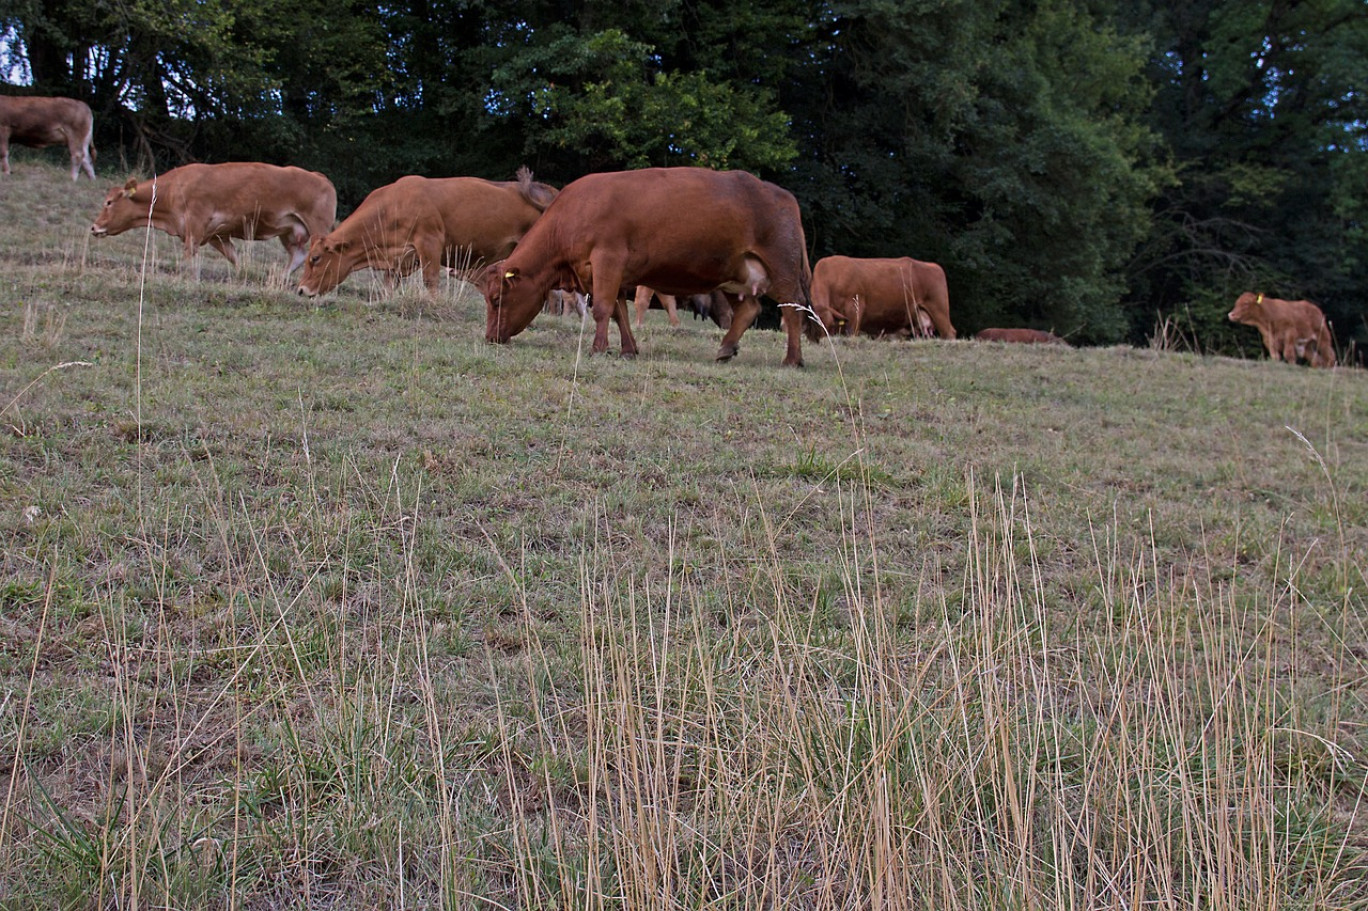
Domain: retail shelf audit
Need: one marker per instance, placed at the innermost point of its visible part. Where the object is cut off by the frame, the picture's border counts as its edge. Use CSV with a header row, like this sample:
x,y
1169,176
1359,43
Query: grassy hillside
x,y
335,605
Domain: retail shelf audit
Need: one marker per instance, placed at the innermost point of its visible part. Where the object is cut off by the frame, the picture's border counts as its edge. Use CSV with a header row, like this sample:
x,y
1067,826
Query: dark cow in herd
x,y
726,230
899,296
1020,337
214,203
1291,330
35,121
421,223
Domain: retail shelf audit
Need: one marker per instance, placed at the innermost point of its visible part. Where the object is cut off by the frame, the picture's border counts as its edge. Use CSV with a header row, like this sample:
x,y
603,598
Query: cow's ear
x,y
340,246
130,187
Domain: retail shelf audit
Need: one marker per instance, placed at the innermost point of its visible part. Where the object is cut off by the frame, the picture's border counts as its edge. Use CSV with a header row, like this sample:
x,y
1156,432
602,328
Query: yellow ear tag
x,y
1260,300
510,275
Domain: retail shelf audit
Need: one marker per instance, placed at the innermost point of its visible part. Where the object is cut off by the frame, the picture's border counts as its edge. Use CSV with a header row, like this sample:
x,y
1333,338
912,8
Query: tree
x,y
998,139
1261,105
600,101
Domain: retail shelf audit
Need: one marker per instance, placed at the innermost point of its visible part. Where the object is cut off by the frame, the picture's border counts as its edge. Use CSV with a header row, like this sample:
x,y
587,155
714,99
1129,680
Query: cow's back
x,y
670,206
246,184
44,120
486,216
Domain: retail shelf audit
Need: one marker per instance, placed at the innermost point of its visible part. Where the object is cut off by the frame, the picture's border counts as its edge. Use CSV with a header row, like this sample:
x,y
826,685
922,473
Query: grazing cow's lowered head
x,y
122,210
326,264
512,301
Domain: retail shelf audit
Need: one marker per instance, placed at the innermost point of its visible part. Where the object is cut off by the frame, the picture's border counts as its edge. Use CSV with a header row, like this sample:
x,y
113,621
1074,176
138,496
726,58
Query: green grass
x,y
334,604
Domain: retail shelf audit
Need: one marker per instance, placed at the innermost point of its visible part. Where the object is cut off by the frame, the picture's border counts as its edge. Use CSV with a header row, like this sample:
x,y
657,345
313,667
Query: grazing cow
x,y
880,297
1291,330
214,203
728,230
421,223
1020,336
36,122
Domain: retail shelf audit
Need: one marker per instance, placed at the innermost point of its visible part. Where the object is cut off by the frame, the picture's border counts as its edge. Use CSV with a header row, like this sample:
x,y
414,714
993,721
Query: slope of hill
x,y
339,604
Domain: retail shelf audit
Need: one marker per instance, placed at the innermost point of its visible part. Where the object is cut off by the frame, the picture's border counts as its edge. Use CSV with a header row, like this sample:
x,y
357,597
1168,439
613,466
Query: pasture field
x,y
334,605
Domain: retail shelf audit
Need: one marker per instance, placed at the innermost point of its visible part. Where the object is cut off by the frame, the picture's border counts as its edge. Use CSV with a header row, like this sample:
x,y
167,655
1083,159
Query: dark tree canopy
x,y
1087,166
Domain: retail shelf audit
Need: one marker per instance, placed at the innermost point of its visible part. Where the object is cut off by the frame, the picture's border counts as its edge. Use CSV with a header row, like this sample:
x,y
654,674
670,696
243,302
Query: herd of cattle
x,y
729,239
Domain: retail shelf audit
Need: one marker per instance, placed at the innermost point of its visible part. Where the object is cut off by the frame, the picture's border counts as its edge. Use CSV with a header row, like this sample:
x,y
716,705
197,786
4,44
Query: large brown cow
x,y
880,297
421,223
214,203
35,121
728,230
1020,336
1291,330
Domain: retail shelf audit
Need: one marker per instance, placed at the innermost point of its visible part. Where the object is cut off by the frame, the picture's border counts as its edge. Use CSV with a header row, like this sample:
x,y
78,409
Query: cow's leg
x,y
74,151
641,303
605,273
671,309
602,303
4,152
792,319
1270,344
296,244
623,317
432,271
222,244
88,159
744,312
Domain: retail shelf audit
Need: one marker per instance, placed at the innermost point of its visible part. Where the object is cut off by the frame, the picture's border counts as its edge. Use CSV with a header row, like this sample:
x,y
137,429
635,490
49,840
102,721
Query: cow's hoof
x,y
727,352
629,355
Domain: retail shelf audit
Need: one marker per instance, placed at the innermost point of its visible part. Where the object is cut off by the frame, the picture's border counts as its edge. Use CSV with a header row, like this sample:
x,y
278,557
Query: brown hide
x,y
881,297
1291,330
727,230
214,203
421,223
36,122
1020,336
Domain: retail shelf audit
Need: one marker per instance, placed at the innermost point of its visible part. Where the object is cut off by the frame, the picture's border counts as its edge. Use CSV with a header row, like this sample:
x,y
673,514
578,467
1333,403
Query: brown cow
x,y
1291,330
1020,336
729,230
421,223
35,121
880,297
214,203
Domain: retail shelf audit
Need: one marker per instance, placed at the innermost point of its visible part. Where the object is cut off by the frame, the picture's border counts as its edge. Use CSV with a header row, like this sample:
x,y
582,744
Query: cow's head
x,y
825,321
328,262
124,208
1247,307
511,301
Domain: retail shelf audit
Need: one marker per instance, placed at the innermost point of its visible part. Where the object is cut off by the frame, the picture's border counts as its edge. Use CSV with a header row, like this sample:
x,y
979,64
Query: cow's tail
x,y
539,195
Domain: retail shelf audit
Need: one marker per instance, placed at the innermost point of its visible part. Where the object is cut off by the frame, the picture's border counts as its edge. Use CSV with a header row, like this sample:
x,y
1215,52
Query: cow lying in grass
x,y
1020,336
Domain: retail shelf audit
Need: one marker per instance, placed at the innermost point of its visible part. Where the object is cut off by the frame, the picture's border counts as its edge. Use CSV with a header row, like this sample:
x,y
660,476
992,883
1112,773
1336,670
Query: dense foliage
x,y
1090,166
